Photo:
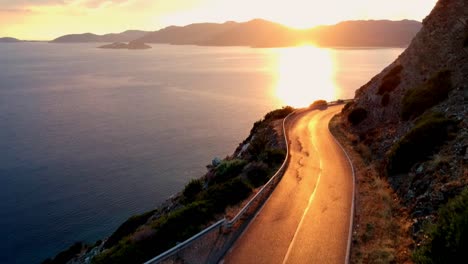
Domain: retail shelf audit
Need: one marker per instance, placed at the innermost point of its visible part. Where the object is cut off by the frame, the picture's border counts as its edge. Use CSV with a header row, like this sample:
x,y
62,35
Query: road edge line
x,y
351,221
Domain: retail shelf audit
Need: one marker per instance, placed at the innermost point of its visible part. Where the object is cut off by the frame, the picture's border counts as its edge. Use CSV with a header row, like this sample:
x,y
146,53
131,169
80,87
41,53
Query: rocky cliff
x,y
413,116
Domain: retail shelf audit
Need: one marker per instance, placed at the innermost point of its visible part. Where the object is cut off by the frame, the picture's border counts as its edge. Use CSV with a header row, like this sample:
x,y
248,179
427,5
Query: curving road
x,y
307,217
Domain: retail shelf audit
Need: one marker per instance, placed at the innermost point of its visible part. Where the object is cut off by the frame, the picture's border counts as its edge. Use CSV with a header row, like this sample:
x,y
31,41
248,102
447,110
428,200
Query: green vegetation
x,y
257,173
385,99
228,169
127,228
416,101
391,80
175,226
448,238
229,193
357,115
279,113
192,189
166,232
272,157
268,118
429,133
66,255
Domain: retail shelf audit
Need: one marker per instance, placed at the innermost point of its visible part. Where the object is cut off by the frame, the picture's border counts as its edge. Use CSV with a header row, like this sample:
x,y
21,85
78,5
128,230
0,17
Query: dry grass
x,y
381,226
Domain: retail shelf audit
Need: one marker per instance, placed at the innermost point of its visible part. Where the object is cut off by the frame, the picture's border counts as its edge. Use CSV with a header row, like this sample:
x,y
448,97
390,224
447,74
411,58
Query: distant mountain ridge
x,y
9,40
125,36
263,33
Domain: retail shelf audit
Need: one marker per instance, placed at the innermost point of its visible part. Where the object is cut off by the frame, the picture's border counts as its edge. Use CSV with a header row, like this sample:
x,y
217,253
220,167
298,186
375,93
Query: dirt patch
x,y
381,232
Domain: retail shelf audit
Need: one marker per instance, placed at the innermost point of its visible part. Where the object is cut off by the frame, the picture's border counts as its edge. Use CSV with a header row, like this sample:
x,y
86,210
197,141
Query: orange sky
x,y
48,19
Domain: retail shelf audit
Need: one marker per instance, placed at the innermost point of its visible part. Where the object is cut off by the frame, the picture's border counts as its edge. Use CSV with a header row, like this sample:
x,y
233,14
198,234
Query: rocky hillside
x,y
413,118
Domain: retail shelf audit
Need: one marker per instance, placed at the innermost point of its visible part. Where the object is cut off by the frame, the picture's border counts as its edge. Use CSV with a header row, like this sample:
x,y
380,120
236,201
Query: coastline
x,y
269,126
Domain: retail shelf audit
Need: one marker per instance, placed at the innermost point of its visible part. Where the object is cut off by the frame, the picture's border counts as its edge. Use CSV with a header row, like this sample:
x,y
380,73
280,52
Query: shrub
x,y
318,104
416,101
273,157
448,238
429,133
391,80
257,173
66,255
465,42
127,228
357,115
279,113
258,145
385,99
229,169
194,187
168,230
229,193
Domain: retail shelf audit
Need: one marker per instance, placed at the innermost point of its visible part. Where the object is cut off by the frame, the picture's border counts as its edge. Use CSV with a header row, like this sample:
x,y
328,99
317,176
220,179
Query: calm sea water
x,y
89,137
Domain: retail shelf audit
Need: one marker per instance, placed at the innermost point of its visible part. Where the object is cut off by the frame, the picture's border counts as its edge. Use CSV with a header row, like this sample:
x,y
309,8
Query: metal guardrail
x,y
224,232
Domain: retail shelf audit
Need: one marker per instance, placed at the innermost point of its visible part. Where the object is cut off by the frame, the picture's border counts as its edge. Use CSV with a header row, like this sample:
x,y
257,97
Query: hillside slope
x,y
125,36
410,121
263,33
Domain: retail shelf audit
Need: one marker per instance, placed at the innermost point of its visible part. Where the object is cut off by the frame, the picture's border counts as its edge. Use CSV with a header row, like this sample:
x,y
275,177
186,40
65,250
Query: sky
x,y
48,19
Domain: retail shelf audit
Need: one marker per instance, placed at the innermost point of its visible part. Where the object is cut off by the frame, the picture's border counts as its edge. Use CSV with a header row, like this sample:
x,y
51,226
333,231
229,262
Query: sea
x,y
89,137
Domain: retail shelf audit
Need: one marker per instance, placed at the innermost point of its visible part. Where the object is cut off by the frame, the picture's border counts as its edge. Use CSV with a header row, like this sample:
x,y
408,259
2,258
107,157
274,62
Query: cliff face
x,y
413,115
438,46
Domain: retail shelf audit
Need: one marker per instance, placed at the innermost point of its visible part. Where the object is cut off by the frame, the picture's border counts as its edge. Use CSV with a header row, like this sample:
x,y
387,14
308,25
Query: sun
x,y
304,75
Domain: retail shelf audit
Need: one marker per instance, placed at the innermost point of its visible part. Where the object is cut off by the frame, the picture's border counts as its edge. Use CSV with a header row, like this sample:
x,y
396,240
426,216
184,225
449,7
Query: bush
x,y
390,81
222,195
385,99
279,113
194,187
66,255
257,173
273,157
357,115
177,226
229,169
429,133
127,228
416,101
448,238
465,42
318,104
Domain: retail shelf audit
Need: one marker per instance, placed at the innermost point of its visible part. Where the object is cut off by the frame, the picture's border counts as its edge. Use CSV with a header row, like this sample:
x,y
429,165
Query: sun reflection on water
x,y
304,74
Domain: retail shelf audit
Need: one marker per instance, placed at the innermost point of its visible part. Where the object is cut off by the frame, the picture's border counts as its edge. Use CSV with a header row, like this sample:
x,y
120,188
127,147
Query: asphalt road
x,y
307,217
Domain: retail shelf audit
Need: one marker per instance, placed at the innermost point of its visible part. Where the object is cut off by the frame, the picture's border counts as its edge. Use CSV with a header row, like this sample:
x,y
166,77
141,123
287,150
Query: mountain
x,y
125,36
263,33
409,125
188,35
370,33
256,33
9,40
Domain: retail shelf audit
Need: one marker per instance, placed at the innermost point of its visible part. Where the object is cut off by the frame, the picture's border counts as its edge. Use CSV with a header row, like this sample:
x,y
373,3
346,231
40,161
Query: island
x,y
133,45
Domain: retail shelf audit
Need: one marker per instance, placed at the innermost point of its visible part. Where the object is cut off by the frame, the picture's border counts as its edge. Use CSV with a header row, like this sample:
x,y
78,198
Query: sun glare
x,y
304,74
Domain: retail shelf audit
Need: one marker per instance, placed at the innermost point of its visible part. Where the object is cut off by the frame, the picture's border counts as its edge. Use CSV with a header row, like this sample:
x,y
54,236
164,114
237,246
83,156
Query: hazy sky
x,y
47,19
